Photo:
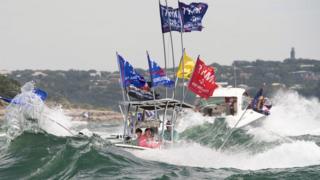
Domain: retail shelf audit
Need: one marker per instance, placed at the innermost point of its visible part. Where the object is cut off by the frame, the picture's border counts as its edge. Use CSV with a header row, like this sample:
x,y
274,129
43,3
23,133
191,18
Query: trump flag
x,y
192,15
203,80
170,19
128,75
158,76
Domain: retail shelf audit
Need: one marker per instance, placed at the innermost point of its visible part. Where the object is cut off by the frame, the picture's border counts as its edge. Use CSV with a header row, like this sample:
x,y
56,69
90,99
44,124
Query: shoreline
x,y
81,114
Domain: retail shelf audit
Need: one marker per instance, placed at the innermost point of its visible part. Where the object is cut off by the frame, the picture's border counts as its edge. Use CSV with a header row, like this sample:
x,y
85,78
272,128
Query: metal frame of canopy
x,y
158,104
133,107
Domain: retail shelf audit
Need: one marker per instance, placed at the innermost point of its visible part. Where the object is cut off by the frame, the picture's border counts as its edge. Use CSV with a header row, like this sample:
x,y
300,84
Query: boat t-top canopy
x,y
158,104
228,92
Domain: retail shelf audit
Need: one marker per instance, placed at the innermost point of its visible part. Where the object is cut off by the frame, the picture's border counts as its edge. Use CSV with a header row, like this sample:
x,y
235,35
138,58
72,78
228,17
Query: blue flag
x,y
192,15
39,92
170,19
128,75
158,76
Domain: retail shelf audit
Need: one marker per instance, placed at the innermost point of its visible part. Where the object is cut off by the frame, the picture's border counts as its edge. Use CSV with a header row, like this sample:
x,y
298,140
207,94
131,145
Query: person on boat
x,y
207,111
263,105
147,140
138,137
246,102
167,133
231,103
266,106
260,103
197,104
267,103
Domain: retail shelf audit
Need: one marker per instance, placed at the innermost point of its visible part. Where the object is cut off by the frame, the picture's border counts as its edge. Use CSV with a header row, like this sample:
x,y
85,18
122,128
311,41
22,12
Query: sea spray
x,y
292,115
273,152
21,113
189,118
27,112
249,148
299,153
55,122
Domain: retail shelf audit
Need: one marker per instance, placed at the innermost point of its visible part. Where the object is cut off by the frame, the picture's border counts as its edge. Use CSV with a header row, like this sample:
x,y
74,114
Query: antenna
x,y
235,74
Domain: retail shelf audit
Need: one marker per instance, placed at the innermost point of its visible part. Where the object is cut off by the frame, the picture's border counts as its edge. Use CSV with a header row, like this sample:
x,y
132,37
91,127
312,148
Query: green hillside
x,y
8,87
101,88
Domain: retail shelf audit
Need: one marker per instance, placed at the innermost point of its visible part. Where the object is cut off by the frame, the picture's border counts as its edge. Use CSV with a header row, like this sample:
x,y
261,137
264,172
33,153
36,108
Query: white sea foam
x,y
291,115
55,122
28,112
297,154
190,119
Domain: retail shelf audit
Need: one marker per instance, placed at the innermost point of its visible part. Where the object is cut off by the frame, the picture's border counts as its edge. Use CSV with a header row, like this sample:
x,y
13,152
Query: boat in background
x,y
231,104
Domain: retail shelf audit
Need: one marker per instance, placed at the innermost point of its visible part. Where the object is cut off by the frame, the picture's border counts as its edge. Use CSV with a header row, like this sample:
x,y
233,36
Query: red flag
x,y
203,80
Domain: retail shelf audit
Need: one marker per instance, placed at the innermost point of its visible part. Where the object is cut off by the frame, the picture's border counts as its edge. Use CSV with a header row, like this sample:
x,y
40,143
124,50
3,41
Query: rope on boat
x,y
232,129
67,129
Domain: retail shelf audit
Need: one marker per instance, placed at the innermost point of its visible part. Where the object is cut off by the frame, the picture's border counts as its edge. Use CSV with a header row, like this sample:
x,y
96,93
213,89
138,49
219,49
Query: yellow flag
x,y
188,64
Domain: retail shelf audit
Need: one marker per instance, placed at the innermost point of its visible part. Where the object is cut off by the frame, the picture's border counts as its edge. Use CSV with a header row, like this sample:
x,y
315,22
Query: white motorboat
x,y
232,104
136,116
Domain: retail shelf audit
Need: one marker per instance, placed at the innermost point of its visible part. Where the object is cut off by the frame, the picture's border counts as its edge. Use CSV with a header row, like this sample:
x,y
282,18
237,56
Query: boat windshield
x,y
219,106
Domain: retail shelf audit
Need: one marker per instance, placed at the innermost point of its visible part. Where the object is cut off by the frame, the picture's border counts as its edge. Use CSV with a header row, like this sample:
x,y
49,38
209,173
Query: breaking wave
x,y
287,138
284,140
27,112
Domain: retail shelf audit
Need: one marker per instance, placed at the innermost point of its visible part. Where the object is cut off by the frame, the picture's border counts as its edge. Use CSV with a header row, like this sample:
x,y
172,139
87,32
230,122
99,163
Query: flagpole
x,y
181,31
172,50
235,74
164,50
182,48
123,96
177,78
121,84
153,92
165,59
182,78
193,70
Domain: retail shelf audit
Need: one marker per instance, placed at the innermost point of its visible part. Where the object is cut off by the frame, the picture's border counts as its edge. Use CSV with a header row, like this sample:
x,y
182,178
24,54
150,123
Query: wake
x,y
291,116
297,154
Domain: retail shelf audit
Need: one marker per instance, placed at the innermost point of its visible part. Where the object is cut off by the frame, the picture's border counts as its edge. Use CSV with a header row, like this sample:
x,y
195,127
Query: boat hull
x,y
249,117
130,147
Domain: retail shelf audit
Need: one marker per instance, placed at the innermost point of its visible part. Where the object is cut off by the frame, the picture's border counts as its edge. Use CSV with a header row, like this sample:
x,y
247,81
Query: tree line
x,y
102,89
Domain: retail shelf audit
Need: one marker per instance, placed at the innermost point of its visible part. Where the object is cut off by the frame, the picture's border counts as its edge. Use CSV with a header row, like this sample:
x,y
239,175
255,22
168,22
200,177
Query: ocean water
x,y
284,146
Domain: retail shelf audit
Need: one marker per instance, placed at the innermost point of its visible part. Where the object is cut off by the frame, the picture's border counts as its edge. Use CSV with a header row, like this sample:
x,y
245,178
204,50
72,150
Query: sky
x,y
86,34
